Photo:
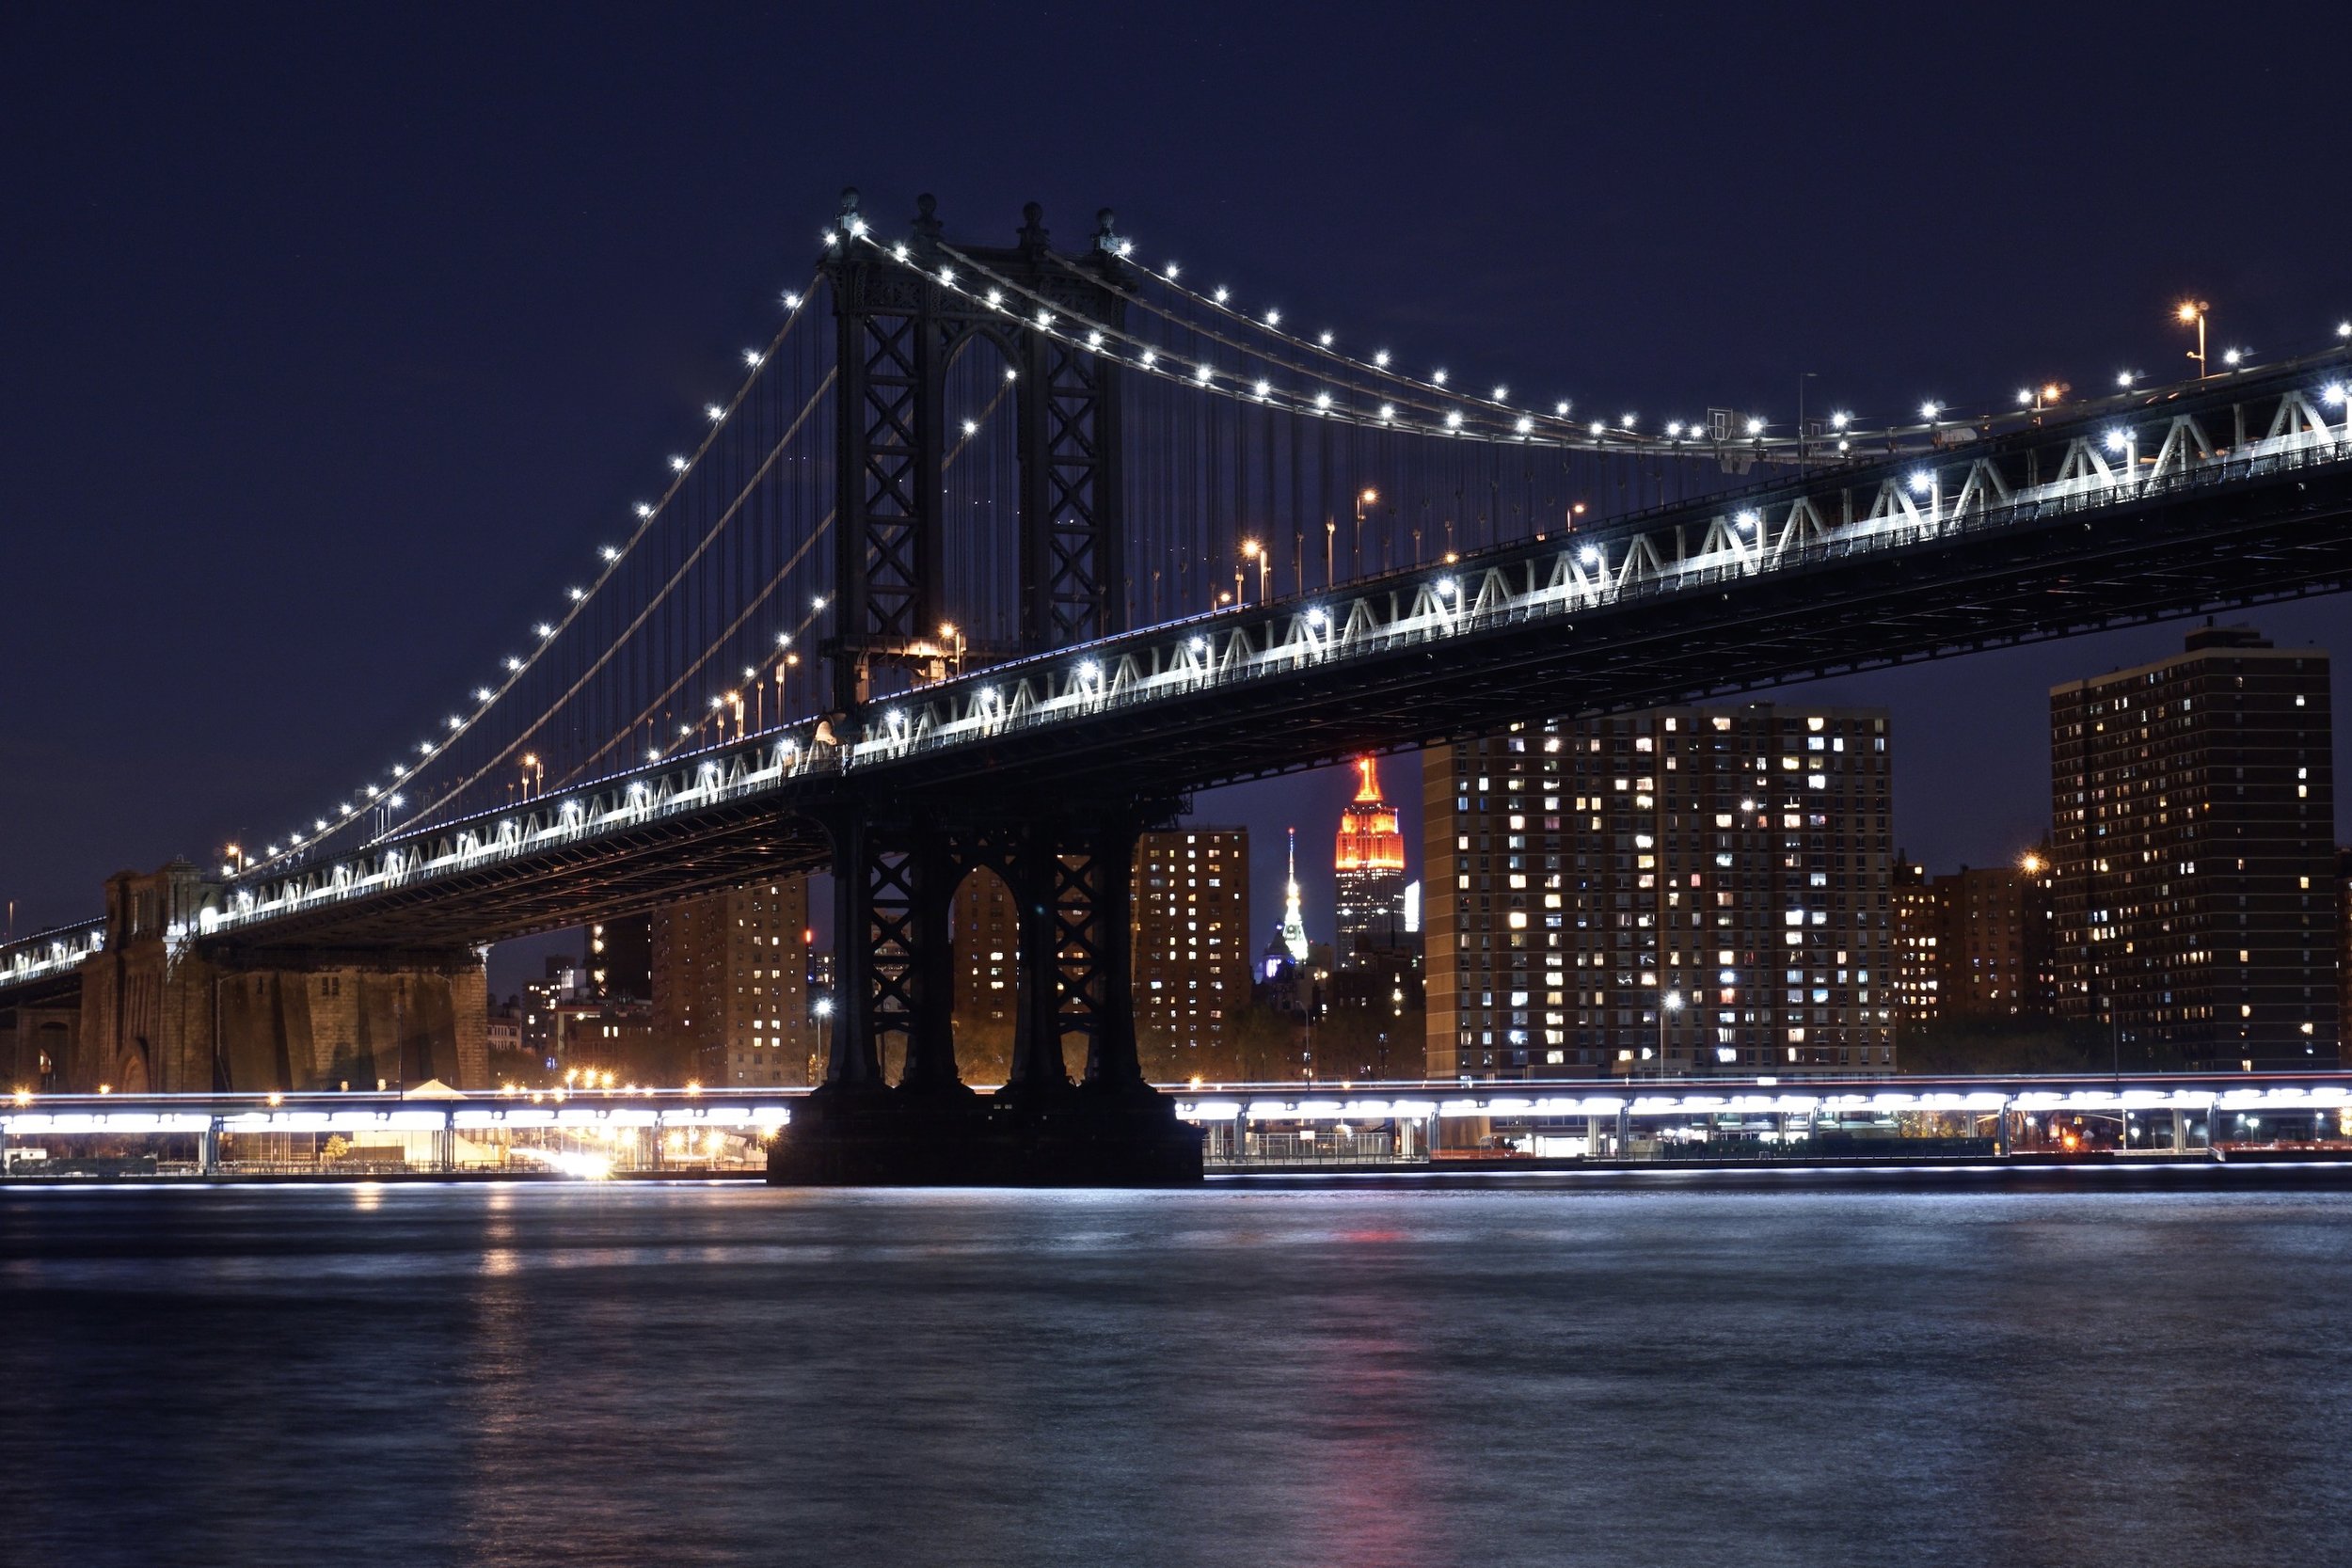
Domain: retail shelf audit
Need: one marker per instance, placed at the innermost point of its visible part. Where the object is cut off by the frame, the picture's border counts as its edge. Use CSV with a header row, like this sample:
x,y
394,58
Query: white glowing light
x,y
1453,419
1839,422
1589,555
1525,425
1274,318
1324,339
947,276
752,358
818,602
793,301
2116,440
1094,339
898,252
1747,521
395,801
1560,408
1173,269
1323,400
455,722
857,227
1928,411
483,693
513,663
1756,427
2232,356
1126,248
1202,375
995,298
783,640
712,412
653,754
576,593
1381,359
2025,394
1012,375
1447,588
1315,617
1627,421
970,427
644,509
1674,429
1045,318
543,629
1920,480
716,703
1222,293
1599,429
1090,671
1151,358
678,463
2123,378
1264,387
1199,644
1438,377
2332,393
1388,412
610,552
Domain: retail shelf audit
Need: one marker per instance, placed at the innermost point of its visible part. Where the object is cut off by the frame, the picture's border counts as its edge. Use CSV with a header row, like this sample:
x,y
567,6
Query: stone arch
x,y
131,1068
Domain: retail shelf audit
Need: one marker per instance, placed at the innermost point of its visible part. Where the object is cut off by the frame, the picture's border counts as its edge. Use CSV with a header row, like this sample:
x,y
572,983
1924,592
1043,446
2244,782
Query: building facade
x,y
1713,883
1191,977
730,984
2193,811
1368,860
1919,920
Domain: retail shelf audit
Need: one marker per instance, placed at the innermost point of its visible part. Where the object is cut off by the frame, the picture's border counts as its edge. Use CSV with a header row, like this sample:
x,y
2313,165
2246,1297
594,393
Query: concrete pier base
x,y
1083,1136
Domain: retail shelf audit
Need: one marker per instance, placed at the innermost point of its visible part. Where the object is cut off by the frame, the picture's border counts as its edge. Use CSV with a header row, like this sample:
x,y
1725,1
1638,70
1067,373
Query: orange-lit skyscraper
x,y
1371,865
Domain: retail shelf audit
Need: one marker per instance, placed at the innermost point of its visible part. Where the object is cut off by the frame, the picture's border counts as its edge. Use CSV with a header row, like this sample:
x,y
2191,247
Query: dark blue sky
x,y
331,342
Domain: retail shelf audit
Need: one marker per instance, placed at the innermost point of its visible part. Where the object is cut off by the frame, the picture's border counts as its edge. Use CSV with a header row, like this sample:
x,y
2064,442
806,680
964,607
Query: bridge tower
x,y
897,865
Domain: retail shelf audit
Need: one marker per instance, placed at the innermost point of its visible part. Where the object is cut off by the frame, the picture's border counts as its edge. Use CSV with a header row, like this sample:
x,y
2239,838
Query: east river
x,y
1516,1374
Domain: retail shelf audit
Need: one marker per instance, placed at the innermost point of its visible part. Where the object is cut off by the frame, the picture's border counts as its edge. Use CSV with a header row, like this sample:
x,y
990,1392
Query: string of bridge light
x,y
544,633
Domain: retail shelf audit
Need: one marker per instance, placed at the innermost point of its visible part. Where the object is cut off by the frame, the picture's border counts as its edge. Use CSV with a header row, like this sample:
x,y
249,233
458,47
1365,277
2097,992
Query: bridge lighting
x,y
1202,375
1125,248
2332,394
1560,408
1380,357
1747,521
1844,446
1222,293
1590,555
1388,412
717,702
320,825
1199,644
1756,427
1438,377
272,852
1920,480
1150,358
2116,440
1012,375
1089,672
2024,397
343,810
424,748
750,674
898,252
677,464
543,629
947,276
791,300
1929,411
294,839
1447,588
1674,430
783,640
513,664
399,770
1501,392
993,298
857,227
483,693
1453,419
712,412
455,722
970,427
2233,356
576,593
609,552
1599,428
1323,400
1840,420
1625,419
1265,387
751,358
896,720
2124,378
1274,318
371,791
1044,318
1171,270
685,730
1315,617
1525,425
2344,329
820,601
653,754
1094,339
1324,339
643,510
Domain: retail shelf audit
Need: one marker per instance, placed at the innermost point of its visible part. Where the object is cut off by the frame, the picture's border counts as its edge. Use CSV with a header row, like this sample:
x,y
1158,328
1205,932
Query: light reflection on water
x,y
631,1373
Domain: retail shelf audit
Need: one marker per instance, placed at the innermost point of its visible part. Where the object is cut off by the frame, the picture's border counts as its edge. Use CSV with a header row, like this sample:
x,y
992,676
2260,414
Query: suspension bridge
x,y
995,553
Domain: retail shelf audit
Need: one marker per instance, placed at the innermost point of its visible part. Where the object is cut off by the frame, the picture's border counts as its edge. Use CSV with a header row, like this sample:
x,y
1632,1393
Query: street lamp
x,y
1364,499
534,775
2192,312
1668,1006
950,632
1252,550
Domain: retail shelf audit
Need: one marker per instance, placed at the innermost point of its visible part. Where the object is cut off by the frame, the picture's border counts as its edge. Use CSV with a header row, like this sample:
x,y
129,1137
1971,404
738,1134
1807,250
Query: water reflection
x,y
627,1374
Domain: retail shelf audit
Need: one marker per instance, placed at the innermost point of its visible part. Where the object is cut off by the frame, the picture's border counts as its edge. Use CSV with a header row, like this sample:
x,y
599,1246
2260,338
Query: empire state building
x,y
1371,865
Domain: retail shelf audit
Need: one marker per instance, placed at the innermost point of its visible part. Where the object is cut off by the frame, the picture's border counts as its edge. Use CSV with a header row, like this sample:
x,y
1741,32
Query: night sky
x,y
332,344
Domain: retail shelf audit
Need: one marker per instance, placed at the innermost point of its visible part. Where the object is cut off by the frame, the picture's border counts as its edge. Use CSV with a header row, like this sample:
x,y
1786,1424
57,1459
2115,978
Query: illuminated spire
x,y
1294,923
1369,838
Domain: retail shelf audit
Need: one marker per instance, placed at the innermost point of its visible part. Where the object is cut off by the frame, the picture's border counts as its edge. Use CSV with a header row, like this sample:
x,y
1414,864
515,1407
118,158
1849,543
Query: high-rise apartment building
x,y
730,983
1728,867
1369,862
1191,938
620,959
986,930
1919,920
2193,807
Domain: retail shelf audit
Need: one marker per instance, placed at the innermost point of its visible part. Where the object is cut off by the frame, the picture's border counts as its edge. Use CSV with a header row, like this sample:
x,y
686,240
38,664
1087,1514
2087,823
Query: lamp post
x,y
2192,312
535,774
953,634
1364,499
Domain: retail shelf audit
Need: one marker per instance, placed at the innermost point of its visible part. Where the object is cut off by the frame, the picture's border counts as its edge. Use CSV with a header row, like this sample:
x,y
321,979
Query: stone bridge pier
x,y
166,1011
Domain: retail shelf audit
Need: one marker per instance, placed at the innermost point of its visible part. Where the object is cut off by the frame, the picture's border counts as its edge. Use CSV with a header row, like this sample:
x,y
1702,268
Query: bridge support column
x,y
1072,877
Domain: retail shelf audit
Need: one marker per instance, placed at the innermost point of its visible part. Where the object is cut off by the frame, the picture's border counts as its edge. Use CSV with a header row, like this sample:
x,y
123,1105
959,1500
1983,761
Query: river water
x,y
657,1374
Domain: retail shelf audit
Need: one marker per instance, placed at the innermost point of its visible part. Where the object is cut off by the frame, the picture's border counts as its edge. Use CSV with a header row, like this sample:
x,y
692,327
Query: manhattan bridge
x,y
997,552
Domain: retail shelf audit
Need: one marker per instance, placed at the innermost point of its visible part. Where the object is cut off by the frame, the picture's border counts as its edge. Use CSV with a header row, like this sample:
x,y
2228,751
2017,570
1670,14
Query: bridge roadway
x,y
1728,1102
2172,501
